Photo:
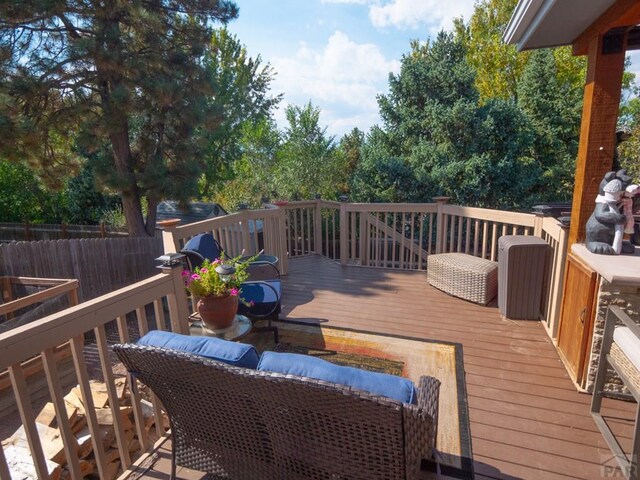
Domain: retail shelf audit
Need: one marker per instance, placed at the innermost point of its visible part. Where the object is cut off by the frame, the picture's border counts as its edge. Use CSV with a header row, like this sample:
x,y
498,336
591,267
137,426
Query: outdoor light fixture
x,y
170,259
225,271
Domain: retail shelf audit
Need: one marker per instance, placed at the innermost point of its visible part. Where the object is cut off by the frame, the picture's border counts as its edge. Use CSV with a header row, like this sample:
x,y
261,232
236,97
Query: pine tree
x,y
122,81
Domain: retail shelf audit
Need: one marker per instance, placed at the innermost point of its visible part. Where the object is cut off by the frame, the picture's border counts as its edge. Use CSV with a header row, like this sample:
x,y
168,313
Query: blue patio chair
x,y
263,291
200,248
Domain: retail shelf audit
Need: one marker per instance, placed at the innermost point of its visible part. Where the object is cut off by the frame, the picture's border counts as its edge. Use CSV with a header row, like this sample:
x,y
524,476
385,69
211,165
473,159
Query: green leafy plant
x,y
205,281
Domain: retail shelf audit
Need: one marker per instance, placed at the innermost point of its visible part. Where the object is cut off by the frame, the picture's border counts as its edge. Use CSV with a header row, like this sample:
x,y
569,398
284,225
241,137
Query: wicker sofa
x,y
241,423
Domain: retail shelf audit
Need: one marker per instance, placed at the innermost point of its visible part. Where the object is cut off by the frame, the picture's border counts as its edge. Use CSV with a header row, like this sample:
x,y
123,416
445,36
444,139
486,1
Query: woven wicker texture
x,y
624,364
244,424
464,276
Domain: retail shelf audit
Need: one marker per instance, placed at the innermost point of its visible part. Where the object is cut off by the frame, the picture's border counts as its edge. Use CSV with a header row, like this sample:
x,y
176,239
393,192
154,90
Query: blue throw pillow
x,y
232,353
398,388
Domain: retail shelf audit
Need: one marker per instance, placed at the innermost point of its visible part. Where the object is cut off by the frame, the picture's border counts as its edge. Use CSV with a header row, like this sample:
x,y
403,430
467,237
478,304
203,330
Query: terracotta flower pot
x,y
218,312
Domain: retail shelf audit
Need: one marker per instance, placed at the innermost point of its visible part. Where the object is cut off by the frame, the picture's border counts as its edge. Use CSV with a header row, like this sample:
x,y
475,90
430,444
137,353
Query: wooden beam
x,y
620,14
597,132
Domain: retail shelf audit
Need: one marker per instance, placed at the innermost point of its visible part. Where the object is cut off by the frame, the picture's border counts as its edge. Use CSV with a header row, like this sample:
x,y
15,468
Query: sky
x,y
338,53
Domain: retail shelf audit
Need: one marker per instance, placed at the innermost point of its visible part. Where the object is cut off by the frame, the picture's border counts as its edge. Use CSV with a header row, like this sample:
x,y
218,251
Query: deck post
x,y
178,301
169,241
283,254
317,227
244,230
597,131
440,233
344,231
537,224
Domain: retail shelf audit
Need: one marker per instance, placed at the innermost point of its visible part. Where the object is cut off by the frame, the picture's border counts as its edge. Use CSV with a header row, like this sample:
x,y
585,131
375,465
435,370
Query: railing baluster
x,y
354,233
28,420
62,420
412,220
485,236
107,373
460,220
476,237
432,218
467,236
4,468
386,242
452,231
123,329
309,234
158,310
494,241
87,400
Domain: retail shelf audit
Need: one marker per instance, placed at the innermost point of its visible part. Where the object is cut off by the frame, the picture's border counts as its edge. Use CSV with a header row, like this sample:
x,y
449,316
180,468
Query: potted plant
x,y
216,285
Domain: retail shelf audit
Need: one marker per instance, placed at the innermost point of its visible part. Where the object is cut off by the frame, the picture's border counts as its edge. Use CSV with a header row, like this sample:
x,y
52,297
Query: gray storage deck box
x,y
522,262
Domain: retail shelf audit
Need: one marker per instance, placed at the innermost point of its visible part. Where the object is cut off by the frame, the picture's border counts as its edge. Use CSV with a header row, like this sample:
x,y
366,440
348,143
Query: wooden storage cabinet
x,y
576,317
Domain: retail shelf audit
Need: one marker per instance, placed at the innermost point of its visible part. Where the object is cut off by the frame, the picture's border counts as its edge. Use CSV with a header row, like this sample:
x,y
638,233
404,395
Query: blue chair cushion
x,y
232,353
390,386
265,294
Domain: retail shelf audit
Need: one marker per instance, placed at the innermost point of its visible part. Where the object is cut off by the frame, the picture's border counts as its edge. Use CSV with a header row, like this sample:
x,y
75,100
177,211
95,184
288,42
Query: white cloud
x,y
342,78
412,14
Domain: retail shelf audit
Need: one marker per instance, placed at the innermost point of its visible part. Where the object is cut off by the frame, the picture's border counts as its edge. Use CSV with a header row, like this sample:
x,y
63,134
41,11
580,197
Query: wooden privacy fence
x,y
99,265
123,307
10,232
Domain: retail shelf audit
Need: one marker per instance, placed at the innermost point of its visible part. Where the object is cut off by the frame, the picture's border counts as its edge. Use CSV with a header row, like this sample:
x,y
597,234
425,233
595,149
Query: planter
x,y
218,312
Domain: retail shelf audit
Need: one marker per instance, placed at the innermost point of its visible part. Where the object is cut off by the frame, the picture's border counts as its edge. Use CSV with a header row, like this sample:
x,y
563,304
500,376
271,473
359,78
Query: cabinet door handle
x,y
582,315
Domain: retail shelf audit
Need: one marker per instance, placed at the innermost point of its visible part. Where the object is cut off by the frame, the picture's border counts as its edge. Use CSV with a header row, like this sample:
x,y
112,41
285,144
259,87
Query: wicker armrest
x,y
421,425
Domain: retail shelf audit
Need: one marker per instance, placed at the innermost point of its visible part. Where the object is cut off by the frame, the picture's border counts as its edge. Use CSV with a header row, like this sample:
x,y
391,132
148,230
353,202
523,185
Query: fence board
x,y
99,265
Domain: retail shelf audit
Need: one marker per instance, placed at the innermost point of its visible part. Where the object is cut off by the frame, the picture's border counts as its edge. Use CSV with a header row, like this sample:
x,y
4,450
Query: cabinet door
x,y
575,319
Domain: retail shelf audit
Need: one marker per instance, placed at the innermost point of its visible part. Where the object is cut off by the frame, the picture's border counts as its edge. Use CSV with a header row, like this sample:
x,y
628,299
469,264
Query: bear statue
x,y
605,226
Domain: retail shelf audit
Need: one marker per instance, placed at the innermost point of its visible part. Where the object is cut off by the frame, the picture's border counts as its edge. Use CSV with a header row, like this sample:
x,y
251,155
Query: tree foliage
x,y
307,163
128,76
242,96
500,66
439,140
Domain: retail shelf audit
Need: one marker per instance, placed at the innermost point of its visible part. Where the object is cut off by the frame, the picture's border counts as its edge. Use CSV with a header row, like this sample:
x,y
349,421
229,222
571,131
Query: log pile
x,y
16,448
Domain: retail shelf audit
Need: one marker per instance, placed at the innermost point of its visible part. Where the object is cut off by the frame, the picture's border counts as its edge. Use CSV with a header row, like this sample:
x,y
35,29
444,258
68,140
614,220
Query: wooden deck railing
x,y
386,235
42,337
247,231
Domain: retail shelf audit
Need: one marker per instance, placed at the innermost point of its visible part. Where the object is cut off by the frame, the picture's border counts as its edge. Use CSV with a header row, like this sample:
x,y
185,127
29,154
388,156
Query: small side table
x,y
240,328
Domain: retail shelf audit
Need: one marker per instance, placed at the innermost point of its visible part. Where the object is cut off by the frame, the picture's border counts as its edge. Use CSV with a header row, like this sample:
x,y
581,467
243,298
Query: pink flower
x,y
195,276
186,273
217,261
204,270
252,303
234,291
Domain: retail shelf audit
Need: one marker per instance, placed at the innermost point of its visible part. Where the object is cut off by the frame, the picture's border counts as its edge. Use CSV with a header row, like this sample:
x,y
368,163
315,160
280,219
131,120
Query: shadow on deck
x,y
527,419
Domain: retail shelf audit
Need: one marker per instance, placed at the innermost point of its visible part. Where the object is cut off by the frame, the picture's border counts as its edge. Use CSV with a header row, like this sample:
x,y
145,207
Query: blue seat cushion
x,y
265,294
232,353
390,386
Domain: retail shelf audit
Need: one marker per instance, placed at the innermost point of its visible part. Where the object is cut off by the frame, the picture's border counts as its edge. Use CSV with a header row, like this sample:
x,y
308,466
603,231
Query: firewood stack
x,y
17,451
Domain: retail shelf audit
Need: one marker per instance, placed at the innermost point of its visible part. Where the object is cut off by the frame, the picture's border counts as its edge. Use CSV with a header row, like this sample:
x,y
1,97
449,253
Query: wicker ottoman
x,y
465,276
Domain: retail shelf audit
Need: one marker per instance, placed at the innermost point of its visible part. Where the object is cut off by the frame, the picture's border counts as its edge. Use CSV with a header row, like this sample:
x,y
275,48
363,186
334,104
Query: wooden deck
x,y
527,419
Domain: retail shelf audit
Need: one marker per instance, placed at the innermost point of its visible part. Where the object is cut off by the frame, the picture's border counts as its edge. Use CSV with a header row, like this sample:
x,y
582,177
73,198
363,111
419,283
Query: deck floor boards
x,y
527,418
528,421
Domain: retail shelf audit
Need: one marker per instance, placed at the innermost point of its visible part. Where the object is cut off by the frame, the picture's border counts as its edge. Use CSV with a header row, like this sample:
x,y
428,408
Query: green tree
x,y
380,176
349,150
477,154
254,173
84,202
500,66
130,73
21,196
241,86
554,108
307,161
